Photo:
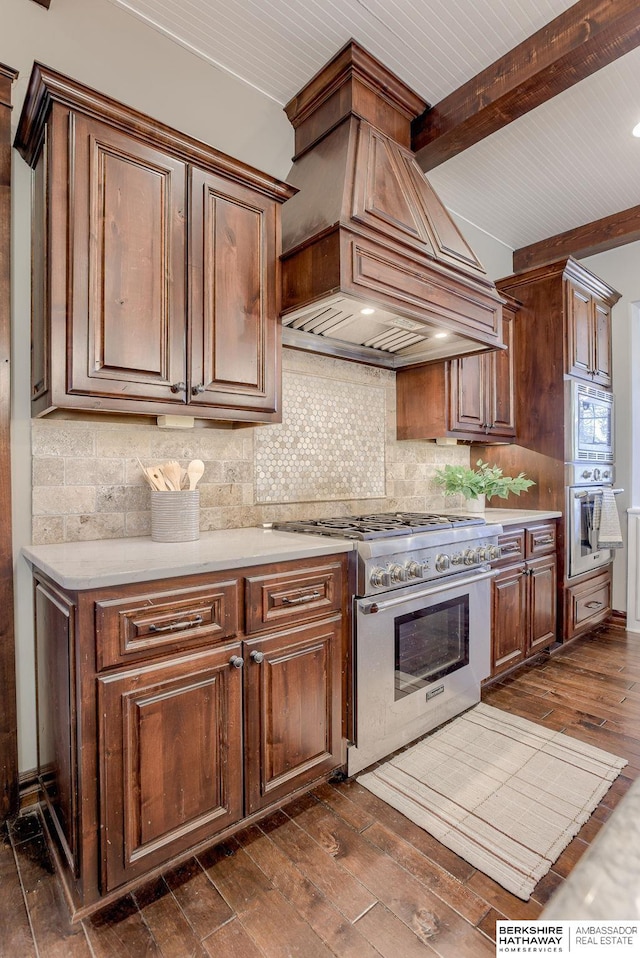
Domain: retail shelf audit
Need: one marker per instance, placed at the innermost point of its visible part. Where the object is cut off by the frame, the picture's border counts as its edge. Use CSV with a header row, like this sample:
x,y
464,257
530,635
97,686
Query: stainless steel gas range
x,y
422,617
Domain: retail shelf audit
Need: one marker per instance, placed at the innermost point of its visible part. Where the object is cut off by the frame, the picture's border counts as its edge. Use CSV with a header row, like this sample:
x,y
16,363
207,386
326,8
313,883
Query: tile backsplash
x,y
335,453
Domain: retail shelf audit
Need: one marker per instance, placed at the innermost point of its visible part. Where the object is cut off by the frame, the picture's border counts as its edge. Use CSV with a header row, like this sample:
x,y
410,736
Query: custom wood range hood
x,y
374,268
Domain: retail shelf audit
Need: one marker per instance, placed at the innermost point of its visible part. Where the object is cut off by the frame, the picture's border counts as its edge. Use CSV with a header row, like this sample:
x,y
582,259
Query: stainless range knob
x,y
494,552
442,562
379,577
397,573
586,474
470,557
414,570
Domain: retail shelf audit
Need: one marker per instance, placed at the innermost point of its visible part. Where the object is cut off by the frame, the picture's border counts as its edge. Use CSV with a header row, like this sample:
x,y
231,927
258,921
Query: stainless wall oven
x,y
584,494
591,417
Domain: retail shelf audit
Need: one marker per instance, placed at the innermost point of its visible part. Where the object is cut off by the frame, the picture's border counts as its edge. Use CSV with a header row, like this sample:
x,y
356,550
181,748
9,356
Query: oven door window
x,y
594,425
430,643
589,523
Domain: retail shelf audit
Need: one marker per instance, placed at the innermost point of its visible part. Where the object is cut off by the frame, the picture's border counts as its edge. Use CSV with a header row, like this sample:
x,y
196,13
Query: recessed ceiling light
x,y
636,130
440,335
367,311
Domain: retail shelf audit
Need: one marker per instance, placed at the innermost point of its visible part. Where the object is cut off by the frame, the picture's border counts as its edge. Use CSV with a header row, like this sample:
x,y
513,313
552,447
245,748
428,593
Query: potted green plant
x,y
483,482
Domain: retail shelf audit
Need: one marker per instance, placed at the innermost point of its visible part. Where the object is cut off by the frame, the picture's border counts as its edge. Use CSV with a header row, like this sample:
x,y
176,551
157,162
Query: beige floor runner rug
x,y
505,794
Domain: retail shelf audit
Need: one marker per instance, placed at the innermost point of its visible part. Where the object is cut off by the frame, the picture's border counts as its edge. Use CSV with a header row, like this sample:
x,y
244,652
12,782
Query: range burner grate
x,y
378,526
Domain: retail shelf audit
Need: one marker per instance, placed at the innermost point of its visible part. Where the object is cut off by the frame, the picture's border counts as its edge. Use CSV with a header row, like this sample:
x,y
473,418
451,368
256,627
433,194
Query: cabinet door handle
x,y
176,626
178,387
257,657
195,390
594,604
301,599
236,661
505,550
543,541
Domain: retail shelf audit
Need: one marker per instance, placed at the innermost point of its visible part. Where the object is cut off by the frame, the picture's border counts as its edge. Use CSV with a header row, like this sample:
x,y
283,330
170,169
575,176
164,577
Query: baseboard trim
x,y
29,790
618,620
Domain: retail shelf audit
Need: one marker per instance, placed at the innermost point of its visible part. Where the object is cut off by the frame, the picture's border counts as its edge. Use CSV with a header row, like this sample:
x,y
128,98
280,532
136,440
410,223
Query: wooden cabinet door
x,y
293,710
127,235
233,266
579,332
468,411
542,602
509,618
57,718
602,343
170,744
500,374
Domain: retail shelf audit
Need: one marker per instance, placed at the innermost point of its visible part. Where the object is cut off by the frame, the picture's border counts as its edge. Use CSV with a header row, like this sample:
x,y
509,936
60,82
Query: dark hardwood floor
x,y
338,872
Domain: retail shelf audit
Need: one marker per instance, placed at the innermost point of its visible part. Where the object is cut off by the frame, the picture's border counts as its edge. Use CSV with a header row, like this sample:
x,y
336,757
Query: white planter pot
x,y
476,505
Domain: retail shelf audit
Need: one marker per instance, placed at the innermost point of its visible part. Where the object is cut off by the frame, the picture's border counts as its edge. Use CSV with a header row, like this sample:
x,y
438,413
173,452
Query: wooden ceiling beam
x,y
595,237
583,39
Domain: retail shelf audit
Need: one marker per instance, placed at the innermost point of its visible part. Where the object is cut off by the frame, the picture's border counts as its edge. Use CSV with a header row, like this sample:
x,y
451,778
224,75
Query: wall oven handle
x,y
594,492
371,606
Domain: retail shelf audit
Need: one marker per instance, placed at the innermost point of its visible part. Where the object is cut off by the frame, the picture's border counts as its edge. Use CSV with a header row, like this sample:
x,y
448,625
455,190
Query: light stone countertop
x,y
514,517
511,517
605,884
106,562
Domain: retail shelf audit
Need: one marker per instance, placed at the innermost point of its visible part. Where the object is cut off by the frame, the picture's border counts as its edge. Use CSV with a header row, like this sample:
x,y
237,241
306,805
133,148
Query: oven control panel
x,y
398,571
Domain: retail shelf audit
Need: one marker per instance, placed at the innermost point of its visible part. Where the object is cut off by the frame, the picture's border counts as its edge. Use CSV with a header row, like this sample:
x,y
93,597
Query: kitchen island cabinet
x,y
173,711
467,398
155,264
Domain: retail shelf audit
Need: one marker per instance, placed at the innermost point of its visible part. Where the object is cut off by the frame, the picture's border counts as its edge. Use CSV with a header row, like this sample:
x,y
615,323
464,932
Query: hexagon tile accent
x,y
329,445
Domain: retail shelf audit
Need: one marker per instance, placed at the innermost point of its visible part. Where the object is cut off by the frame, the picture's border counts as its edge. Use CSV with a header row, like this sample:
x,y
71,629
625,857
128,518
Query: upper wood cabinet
x,y
155,264
588,335
467,398
565,320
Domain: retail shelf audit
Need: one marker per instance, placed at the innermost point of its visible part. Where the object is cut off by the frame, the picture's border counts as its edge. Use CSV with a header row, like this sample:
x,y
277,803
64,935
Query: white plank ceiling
x,y
570,161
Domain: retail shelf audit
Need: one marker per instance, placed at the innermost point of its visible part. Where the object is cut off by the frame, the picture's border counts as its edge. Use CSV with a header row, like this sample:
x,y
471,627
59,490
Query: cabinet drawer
x,y
541,539
588,603
154,623
293,596
511,547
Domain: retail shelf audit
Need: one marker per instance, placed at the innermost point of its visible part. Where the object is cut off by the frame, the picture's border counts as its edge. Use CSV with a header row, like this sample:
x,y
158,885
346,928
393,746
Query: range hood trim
x,y
367,226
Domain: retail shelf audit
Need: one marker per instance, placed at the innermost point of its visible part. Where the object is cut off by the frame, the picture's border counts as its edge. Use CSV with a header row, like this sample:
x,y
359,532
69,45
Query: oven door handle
x,y
371,606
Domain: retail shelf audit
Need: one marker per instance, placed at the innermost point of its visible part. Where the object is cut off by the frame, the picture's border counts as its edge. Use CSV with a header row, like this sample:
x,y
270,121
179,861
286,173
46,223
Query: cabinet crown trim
x,y
47,86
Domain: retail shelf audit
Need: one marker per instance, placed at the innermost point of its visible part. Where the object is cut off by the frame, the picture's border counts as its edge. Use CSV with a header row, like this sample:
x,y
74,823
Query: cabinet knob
x,y
195,390
236,661
257,657
179,388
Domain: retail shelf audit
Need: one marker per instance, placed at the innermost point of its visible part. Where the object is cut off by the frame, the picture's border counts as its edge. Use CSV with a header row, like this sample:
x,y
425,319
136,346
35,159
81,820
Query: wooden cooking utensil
x,y
156,478
195,469
171,472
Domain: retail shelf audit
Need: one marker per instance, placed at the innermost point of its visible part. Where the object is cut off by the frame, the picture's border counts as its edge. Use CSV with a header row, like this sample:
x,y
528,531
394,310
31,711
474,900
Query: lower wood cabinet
x,y
524,599
587,602
170,713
